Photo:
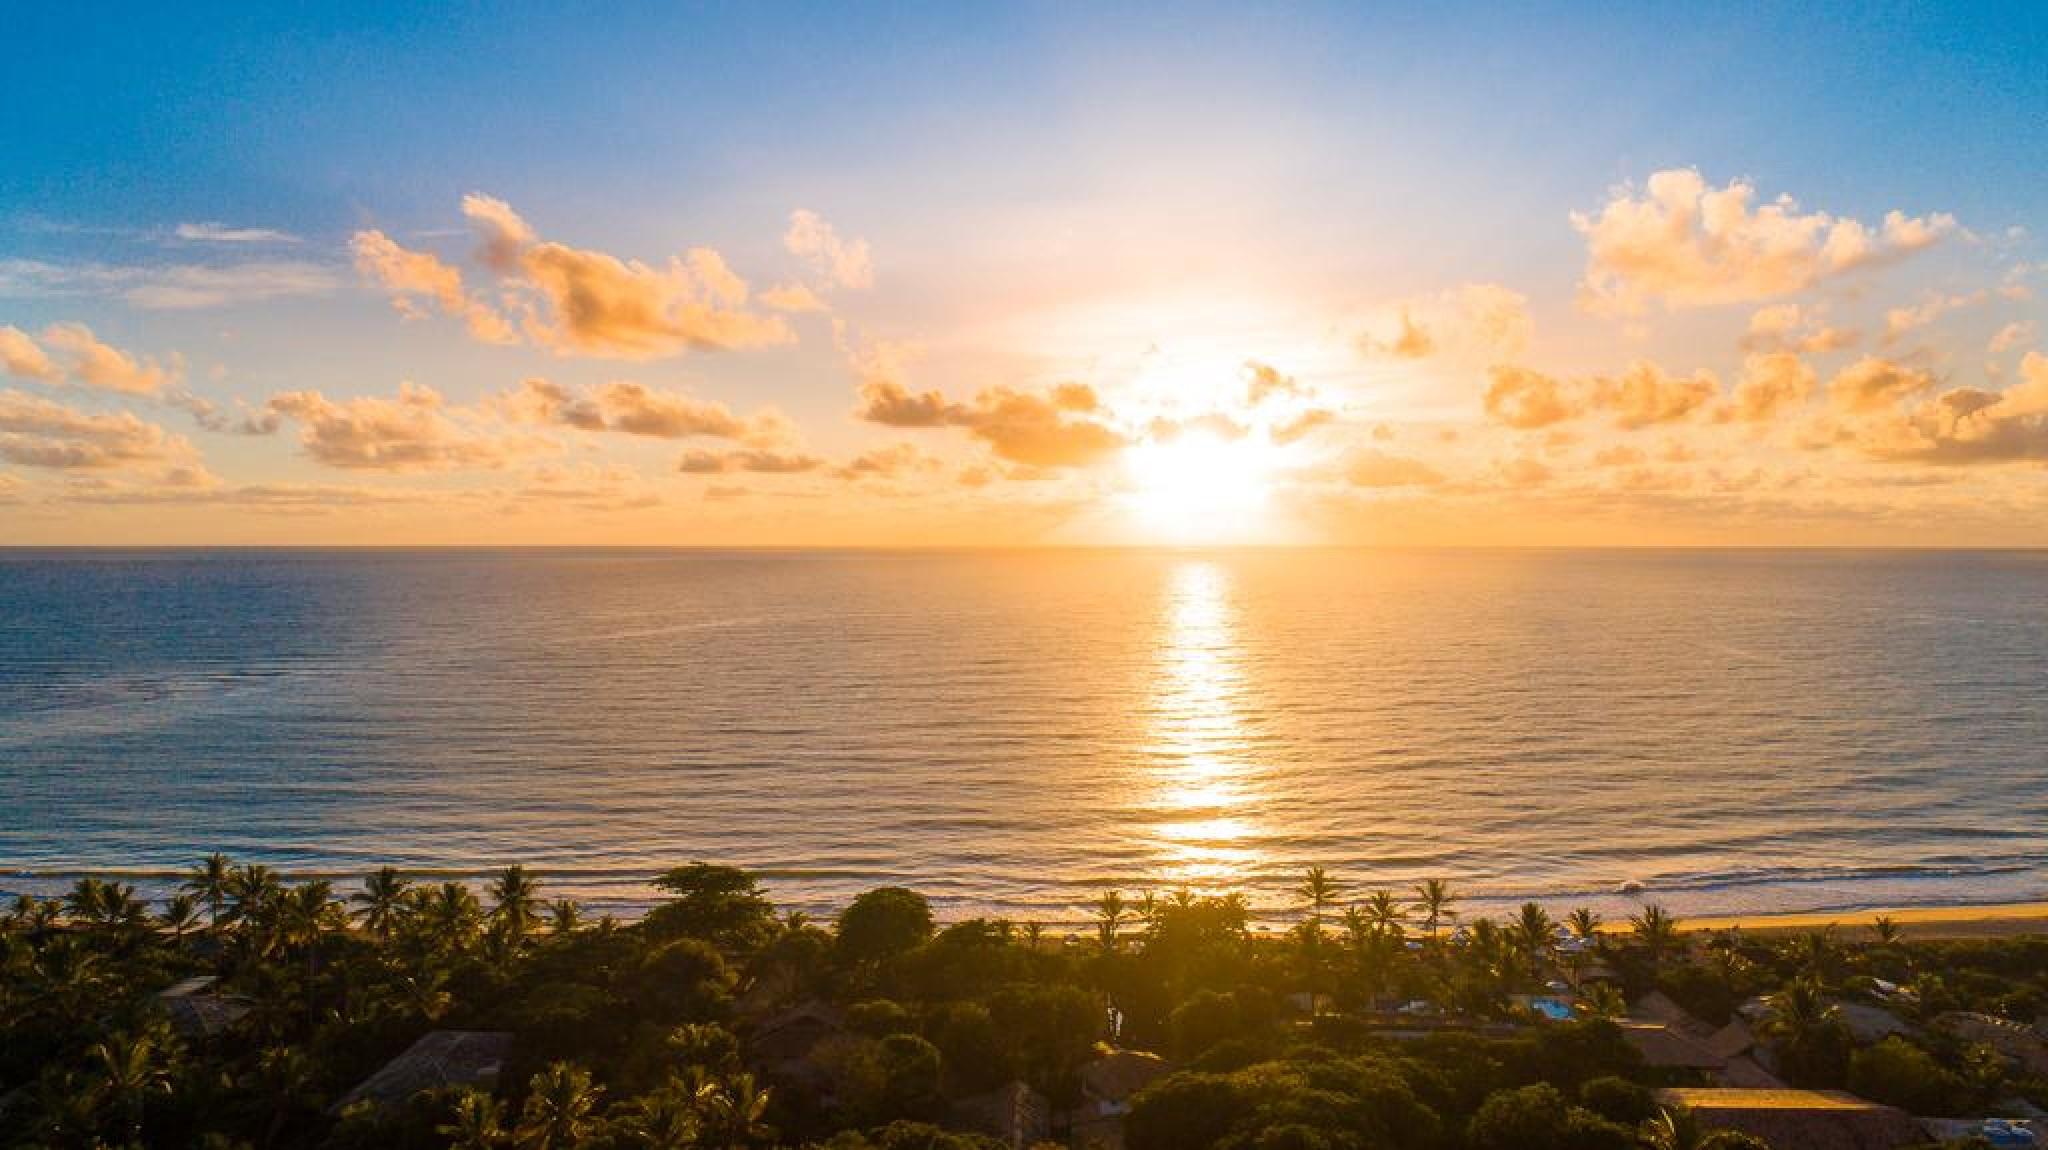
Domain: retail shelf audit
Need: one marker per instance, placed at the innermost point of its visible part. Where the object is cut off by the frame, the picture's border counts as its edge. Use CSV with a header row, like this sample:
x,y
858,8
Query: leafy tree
x,y
883,923
1813,1045
1656,931
478,1124
1901,1074
720,904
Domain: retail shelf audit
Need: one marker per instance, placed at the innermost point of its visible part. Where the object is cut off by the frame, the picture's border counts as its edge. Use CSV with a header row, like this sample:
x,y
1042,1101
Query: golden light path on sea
x,y
1206,779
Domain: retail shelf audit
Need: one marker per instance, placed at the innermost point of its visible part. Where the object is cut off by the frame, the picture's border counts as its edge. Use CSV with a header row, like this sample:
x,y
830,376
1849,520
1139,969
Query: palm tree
x,y
559,1106
1534,934
1604,1000
1816,955
382,900
663,1119
1886,928
1433,898
1318,890
131,1068
250,888
449,914
478,1123
1109,914
209,880
1657,931
515,902
733,1111
564,916
1585,925
1385,912
180,914
1679,1130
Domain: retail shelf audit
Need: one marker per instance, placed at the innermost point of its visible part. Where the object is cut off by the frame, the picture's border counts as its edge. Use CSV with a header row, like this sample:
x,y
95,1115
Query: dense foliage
x,y
658,1033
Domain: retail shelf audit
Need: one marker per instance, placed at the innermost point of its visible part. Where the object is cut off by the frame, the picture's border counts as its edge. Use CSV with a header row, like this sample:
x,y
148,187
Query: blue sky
x,y
1023,176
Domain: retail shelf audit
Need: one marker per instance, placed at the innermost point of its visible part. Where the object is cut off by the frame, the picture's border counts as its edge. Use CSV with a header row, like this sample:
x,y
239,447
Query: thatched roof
x,y
1116,1076
1667,1047
1799,1119
1732,1040
197,1010
1015,1115
441,1058
2008,1038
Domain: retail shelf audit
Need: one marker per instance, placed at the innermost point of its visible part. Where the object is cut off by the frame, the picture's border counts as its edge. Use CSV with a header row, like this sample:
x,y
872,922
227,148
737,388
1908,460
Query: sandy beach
x,y
2002,920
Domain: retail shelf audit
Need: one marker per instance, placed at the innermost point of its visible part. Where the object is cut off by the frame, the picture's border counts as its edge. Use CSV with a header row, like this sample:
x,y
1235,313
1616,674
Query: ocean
x,y
1013,732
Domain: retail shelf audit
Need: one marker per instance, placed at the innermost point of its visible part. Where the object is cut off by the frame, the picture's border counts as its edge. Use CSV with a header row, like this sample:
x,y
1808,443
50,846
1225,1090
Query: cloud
x,y
886,462
82,358
36,432
1482,317
1789,327
22,358
411,276
214,232
1051,428
636,409
1300,426
844,263
1968,426
583,302
174,287
1685,244
792,298
2011,336
1772,382
1645,394
412,432
1900,320
1264,382
1525,399
700,462
1373,468
1872,384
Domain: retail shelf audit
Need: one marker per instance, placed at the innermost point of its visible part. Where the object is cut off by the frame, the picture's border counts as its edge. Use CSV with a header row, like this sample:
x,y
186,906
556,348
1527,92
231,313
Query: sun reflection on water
x,y
1206,783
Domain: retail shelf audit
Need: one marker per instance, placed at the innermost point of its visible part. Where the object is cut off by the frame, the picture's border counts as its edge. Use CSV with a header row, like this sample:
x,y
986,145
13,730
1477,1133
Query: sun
x,y
1201,487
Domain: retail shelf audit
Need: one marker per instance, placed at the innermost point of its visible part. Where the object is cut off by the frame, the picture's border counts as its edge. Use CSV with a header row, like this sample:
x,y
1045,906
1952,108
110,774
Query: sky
x,y
967,275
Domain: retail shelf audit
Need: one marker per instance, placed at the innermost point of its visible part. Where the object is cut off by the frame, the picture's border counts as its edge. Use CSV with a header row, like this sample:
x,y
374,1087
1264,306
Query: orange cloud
x,y
411,275
1645,395
36,432
412,432
700,462
85,361
844,263
1525,399
1686,244
1872,384
1788,327
636,409
1374,468
1772,382
1969,426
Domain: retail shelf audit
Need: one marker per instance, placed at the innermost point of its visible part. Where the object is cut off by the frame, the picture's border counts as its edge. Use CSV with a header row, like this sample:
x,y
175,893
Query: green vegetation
x,y
717,1022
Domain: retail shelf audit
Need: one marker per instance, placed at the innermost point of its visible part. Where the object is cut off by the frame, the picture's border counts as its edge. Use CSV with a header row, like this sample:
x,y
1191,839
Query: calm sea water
x,y
1011,732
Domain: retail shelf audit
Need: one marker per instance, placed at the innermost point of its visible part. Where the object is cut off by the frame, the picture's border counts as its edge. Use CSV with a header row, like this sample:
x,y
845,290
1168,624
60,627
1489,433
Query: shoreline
x,y
1994,920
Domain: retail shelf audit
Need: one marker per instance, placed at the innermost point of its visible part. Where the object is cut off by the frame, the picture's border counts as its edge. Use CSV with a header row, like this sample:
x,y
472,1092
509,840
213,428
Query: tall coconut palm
x,y
179,915
382,900
1657,931
1318,890
1109,914
1585,925
131,1067
560,1105
250,889
478,1124
449,914
208,879
665,1118
1534,935
733,1112
1433,899
1385,912
1886,928
565,916
515,902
